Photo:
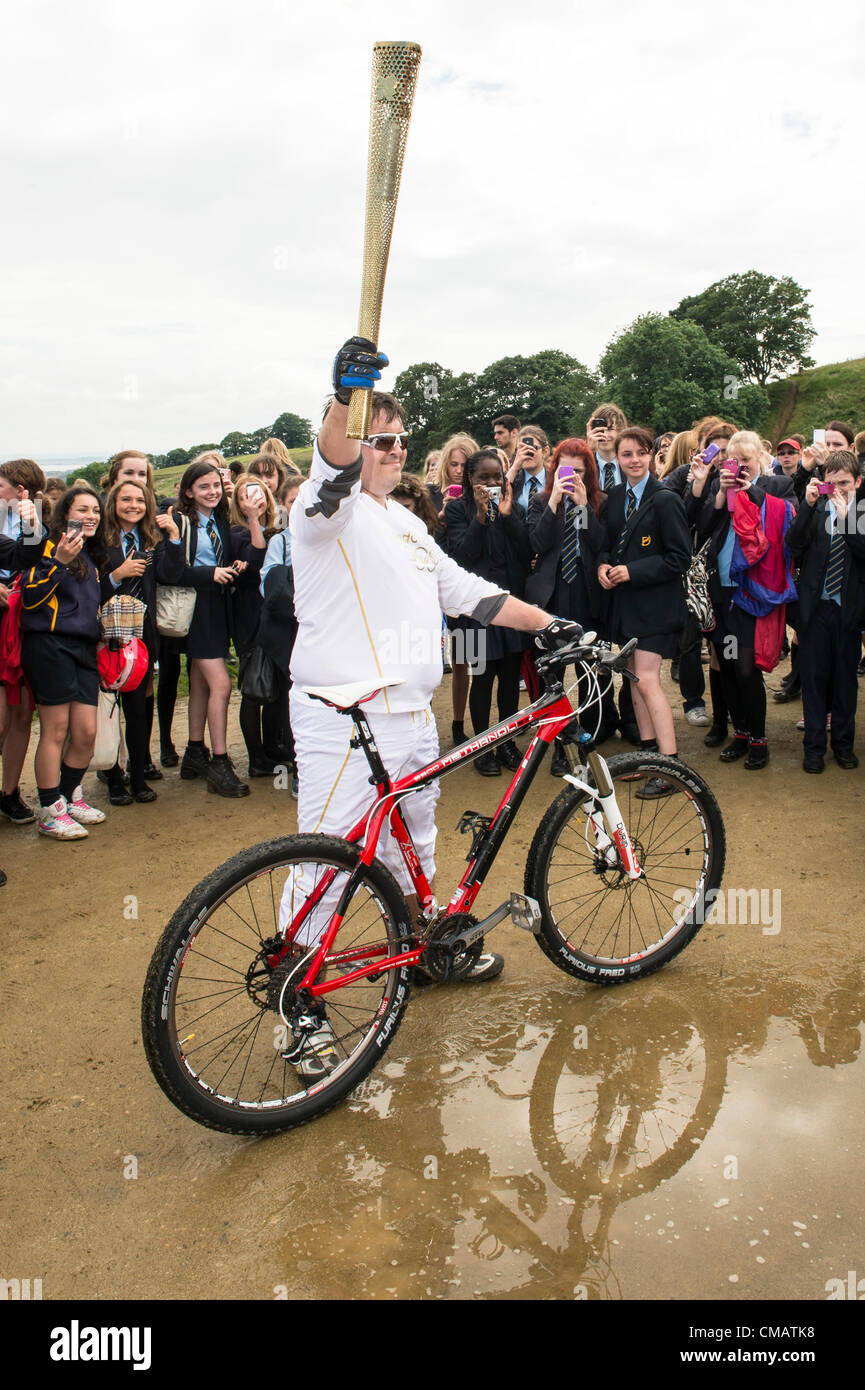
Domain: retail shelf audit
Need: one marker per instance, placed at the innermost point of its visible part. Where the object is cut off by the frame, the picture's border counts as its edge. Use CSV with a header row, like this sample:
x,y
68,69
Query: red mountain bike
x,y
312,932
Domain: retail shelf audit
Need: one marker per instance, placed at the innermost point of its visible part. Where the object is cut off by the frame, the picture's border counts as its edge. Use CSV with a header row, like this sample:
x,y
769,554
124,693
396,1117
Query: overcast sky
x,y
183,193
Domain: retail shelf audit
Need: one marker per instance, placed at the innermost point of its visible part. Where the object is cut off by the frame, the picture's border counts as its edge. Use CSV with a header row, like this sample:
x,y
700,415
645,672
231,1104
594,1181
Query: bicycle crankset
x,y
439,961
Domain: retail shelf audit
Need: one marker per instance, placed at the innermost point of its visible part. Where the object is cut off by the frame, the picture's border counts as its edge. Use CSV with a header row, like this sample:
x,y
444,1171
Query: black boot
x,y
222,779
196,761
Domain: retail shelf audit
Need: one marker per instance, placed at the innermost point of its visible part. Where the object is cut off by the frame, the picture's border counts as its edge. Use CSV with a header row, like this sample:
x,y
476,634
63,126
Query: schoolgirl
x,y
566,533
642,566
449,474
253,519
139,554
214,568
59,635
486,533
24,510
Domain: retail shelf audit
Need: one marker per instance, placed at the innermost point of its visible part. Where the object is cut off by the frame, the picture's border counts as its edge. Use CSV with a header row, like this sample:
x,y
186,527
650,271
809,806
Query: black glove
x,y
561,632
356,367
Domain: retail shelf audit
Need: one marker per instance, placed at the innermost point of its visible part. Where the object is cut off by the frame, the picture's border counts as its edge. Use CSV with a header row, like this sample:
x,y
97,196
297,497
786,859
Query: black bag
x,y
257,677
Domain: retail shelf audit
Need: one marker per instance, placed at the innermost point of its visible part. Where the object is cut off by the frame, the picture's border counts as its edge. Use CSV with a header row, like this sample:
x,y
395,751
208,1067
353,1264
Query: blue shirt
x,y
278,553
636,488
204,554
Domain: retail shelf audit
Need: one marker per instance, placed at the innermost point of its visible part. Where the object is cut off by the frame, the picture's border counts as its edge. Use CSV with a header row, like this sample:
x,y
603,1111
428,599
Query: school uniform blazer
x,y
714,522
809,541
246,594
656,547
546,535
168,564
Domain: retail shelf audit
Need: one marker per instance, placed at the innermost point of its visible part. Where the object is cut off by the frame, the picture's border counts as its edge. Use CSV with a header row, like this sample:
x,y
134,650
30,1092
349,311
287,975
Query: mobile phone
x,y
711,452
74,528
254,492
566,472
597,424
818,437
824,489
454,490
529,442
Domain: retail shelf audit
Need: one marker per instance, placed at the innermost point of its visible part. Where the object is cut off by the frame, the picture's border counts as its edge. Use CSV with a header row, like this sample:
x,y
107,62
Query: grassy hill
x,y
167,477
800,404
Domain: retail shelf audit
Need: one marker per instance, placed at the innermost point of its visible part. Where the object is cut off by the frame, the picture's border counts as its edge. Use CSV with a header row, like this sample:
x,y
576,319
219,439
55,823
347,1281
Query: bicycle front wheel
x,y
216,1014
600,925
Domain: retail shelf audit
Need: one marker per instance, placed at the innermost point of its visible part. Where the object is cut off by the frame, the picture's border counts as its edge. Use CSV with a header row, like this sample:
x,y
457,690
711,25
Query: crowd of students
x,y
222,538
705,535
708,534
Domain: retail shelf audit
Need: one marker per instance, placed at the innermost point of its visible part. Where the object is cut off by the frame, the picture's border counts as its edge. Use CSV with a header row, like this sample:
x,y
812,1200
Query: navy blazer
x,y
655,545
809,541
546,533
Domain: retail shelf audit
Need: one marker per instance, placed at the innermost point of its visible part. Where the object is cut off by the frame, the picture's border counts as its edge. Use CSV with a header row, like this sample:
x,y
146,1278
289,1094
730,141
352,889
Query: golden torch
x,y
394,77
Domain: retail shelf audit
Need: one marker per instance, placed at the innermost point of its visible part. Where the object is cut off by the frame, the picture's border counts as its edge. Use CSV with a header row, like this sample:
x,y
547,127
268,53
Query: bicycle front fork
x,y
617,840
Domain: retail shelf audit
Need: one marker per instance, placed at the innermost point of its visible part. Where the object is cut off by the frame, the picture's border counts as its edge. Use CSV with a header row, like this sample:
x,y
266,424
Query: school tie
x,y
570,544
533,487
609,476
835,567
630,505
128,543
213,536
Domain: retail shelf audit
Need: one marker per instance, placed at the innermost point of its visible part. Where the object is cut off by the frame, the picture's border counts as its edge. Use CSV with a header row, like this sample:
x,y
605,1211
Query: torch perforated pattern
x,y
394,77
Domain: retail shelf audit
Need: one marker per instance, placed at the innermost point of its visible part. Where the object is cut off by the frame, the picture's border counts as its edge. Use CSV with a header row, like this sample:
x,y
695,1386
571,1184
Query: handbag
x,y
257,676
697,590
175,603
107,745
122,618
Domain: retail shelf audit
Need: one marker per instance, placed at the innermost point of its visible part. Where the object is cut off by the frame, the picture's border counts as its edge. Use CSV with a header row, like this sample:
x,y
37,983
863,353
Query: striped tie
x,y
835,567
213,535
533,487
570,544
630,505
609,476
128,543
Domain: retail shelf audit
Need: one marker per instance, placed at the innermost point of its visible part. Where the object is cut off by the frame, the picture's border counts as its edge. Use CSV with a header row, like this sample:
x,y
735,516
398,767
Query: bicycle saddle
x,y
353,693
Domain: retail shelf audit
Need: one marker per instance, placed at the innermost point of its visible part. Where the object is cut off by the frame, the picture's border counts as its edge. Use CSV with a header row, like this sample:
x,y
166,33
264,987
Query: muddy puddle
x,y
697,1135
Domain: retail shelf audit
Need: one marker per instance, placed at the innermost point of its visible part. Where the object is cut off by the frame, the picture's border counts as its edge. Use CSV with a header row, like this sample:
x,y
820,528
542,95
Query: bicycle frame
x,y
550,713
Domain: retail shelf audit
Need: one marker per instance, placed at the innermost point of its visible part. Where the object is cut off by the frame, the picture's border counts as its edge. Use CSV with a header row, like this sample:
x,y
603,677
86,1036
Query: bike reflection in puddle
x,y
589,1101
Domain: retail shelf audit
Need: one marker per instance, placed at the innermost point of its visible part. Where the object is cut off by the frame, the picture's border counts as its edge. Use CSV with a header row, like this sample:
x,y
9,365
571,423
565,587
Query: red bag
x,y
10,639
123,668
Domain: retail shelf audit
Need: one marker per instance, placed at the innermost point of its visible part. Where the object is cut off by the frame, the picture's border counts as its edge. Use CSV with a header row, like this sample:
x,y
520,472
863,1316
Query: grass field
x,y
800,404
167,477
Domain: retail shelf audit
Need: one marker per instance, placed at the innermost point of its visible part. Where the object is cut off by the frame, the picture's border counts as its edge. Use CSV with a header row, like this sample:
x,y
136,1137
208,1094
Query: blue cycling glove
x,y
356,367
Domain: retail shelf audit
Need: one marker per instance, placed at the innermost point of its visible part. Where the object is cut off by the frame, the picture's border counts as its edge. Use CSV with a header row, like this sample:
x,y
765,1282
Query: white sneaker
x,y
313,1051
697,715
83,813
57,824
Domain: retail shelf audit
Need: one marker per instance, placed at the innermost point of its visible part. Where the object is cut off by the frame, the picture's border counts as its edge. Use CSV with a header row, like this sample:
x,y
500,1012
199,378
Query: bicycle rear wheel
x,y
598,924
216,1015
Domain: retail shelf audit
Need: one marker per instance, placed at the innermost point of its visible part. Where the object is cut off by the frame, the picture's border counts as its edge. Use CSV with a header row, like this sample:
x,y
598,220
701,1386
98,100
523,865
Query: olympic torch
x,y
394,77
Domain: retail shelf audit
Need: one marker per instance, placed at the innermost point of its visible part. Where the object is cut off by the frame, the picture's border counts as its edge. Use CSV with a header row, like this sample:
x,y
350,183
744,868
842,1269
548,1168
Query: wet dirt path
x,y
697,1135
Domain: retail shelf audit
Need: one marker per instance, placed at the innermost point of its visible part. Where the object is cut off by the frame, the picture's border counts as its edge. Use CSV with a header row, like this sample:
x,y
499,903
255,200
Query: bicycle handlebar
x,y
598,652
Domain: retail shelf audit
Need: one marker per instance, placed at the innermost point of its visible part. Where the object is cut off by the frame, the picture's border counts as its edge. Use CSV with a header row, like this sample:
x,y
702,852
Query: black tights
x,y
166,692
265,728
744,690
507,669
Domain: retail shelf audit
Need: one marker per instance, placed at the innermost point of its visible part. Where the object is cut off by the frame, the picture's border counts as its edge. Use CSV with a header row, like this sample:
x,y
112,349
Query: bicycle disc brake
x,y
438,960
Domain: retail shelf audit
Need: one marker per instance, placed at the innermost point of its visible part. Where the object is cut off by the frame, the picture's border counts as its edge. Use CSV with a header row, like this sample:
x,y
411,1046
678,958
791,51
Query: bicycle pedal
x,y
525,913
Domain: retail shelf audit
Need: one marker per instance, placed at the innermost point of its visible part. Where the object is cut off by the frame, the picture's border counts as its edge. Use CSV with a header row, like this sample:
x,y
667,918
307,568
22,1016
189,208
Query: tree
x,y
549,389
762,322
176,458
665,373
92,474
420,390
294,432
197,449
235,444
